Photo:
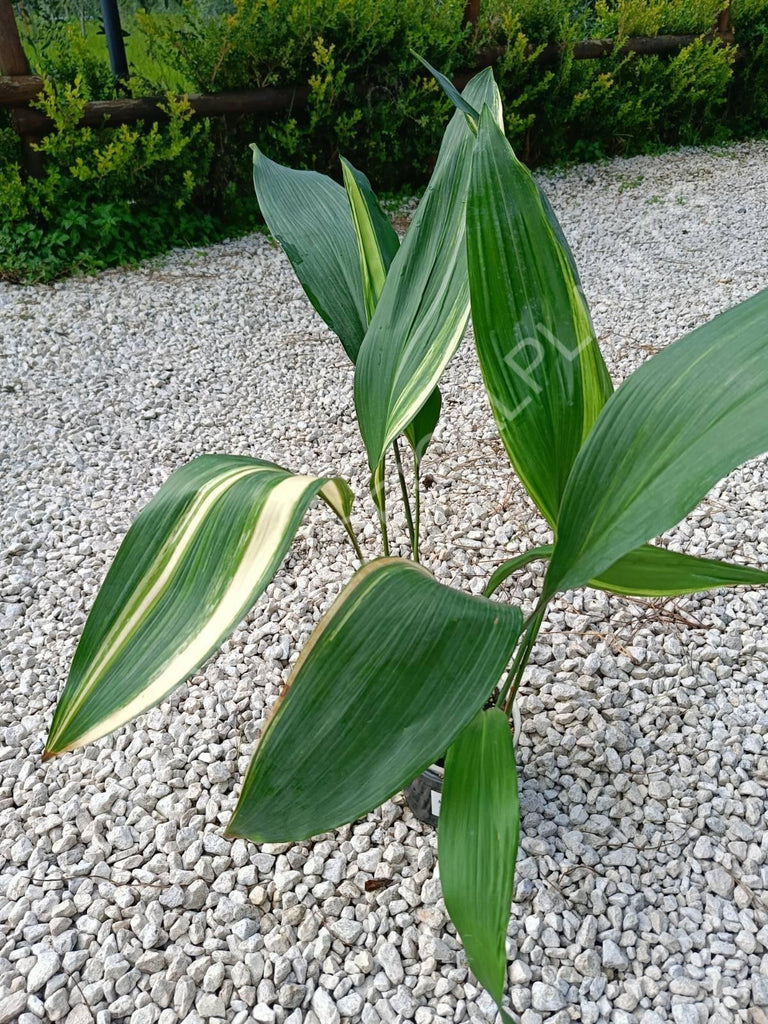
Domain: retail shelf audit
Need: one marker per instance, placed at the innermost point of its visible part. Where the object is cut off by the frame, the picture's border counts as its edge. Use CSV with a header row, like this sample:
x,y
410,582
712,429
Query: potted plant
x,y
402,669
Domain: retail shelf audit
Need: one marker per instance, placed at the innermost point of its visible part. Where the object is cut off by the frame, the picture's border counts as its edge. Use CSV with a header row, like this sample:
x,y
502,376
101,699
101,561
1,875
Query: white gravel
x,y
642,892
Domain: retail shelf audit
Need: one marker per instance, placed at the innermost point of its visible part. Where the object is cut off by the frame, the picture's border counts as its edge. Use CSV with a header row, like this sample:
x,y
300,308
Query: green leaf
x,y
191,566
453,94
419,431
390,677
681,422
423,310
478,834
657,572
511,566
309,215
378,244
377,240
543,371
649,572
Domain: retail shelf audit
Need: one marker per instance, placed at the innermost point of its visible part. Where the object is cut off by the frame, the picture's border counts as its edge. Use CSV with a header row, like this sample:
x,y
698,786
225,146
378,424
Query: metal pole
x,y
115,43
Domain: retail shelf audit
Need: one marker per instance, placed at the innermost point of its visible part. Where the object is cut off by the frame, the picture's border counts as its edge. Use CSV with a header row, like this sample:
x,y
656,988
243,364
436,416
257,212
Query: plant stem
x,y
416,508
404,492
383,523
531,631
380,501
355,545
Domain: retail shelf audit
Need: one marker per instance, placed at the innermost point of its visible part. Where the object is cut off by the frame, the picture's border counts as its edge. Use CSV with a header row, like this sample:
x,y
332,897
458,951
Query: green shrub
x,y
105,197
369,100
368,96
65,51
619,104
622,18
748,98
365,98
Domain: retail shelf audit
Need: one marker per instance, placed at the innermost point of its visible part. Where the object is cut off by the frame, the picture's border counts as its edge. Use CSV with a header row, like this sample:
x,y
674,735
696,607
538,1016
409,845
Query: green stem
x,y
531,631
404,493
380,501
383,524
416,508
355,545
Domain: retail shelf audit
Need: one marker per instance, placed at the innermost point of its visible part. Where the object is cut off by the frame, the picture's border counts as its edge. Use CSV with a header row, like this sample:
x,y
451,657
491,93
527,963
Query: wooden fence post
x,y
472,12
13,62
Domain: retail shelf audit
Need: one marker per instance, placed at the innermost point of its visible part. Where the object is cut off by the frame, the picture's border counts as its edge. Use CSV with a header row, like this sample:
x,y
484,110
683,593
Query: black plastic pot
x,y
425,793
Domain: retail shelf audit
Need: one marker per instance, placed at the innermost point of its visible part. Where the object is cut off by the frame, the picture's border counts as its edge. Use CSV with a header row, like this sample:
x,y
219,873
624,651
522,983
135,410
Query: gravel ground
x,y
642,888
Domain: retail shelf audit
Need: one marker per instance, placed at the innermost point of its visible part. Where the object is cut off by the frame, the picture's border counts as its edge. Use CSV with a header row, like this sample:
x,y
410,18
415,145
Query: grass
x,y
49,46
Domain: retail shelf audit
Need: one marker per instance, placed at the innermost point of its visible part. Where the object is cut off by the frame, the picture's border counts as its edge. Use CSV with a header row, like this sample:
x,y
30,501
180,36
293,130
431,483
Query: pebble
x,y
589,963
614,956
760,990
79,1014
210,1005
685,1013
12,1006
389,958
641,757
46,965
720,882
345,930
325,1008
546,997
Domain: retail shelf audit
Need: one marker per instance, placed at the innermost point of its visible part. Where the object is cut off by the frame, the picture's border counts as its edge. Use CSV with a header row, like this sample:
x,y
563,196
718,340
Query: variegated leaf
x,y
676,426
650,571
423,310
419,431
657,572
457,99
191,566
377,240
543,371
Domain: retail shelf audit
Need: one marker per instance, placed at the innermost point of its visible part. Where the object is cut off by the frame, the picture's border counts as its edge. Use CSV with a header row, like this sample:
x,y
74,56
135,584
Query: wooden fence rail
x,y
18,86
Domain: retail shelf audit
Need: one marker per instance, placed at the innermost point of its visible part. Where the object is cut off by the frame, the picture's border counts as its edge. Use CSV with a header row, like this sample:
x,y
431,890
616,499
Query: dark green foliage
x,y
106,197
369,100
748,99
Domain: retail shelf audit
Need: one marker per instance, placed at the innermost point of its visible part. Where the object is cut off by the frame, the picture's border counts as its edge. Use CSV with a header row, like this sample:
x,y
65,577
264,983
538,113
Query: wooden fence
x,y
18,86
